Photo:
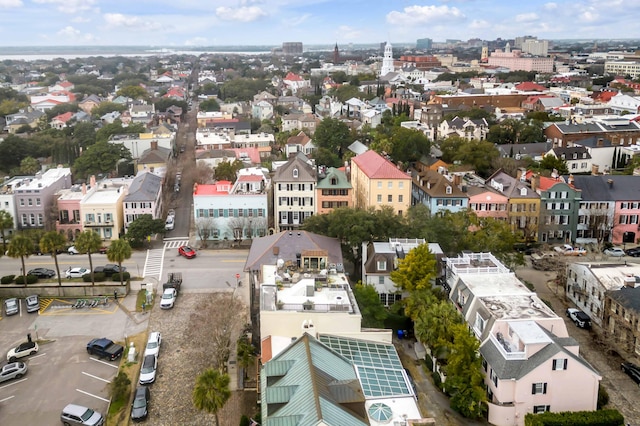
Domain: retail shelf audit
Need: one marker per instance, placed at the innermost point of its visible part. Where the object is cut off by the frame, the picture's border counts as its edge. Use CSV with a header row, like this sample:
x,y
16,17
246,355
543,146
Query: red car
x,y
187,252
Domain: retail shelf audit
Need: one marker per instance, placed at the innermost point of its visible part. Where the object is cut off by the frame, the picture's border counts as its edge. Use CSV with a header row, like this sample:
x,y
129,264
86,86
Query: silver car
x,y
11,306
33,303
15,370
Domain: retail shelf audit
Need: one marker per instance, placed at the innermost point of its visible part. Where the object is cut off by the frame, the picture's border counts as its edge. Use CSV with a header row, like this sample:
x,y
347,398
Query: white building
x,y
387,60
294,192
144,197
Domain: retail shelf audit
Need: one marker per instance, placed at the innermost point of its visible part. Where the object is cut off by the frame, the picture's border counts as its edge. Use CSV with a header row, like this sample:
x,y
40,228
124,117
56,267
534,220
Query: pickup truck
x,y
569,250
174,280
581,319
104,348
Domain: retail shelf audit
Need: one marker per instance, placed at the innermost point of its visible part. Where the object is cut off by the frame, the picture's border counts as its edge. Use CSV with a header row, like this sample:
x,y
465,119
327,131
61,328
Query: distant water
x,y
47,53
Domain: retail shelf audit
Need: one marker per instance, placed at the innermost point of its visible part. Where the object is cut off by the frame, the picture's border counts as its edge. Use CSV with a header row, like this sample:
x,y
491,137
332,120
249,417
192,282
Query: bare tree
x,y
239,225
258,226
204,228
203,173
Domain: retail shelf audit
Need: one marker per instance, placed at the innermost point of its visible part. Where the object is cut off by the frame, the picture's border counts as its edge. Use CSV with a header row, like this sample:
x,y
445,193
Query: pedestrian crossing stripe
x,y
175,244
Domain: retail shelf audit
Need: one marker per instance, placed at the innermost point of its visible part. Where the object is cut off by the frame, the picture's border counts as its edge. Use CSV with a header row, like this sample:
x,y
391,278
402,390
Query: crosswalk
x,y
153,263
174,244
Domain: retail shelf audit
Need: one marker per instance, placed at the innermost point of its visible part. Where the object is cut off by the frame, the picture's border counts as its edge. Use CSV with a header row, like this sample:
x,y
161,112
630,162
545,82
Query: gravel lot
x,y
189,334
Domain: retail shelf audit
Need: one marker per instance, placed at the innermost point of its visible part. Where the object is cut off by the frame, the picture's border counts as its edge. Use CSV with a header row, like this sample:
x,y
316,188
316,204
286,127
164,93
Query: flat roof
x,y
524,306
529,332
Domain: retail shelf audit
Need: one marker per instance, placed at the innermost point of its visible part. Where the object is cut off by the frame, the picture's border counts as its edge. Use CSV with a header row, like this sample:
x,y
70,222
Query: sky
x,y
270,22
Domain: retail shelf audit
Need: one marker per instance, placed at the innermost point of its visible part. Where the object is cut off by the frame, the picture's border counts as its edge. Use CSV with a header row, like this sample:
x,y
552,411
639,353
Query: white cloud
x,y
72,33
413,15
196,41
118,20
80,19
294,22
550,6
70,6
526,17
480,24
348,33
10,3
589,16
240,14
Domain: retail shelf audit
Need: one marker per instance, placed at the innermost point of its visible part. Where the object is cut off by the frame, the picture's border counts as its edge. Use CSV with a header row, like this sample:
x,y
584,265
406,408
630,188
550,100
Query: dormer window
x,y
295,173
523,191
334,181
448,190
382,265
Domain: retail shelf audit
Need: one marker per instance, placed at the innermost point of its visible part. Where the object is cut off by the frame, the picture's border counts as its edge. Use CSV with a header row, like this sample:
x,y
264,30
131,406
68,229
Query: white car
x,y
148,370
22,350
614,252
153,344
73,250
169,224
76,272
168,298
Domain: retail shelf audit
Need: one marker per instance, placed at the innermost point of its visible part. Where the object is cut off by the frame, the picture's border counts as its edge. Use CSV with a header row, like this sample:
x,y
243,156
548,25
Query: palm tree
x,y
89,242
211,391
118,251
21,247
52,242
6,222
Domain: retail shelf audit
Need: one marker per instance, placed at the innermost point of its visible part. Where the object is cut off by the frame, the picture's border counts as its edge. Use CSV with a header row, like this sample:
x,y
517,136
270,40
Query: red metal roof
x,y
375,166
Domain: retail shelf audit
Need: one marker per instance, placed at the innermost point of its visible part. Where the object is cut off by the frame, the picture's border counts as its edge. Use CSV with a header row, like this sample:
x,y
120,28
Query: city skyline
x,y
192,23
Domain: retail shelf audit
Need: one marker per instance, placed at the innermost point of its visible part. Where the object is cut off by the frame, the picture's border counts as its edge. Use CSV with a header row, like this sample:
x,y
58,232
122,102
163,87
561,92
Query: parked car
x,y
581,319
148,370
42,272
73,250
569,250
109,269
11,306
632,371
168,298
614,252
187,252
153,344
169,223
74,414
15,370
76,272
633,252
103,250
33,303
22,350
140,404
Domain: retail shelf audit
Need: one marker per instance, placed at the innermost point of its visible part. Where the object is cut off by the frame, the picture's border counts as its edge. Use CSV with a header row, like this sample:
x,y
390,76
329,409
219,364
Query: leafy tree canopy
x,y
551,162
416,270
228,171
241,89
373,312
100,158
143,227
107,107
133,92
209,105
333,135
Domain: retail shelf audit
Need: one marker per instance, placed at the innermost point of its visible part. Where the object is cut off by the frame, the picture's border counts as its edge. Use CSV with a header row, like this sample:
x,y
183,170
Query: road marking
x,y
38,356
95,396
96,377
12,383
7,398
103,362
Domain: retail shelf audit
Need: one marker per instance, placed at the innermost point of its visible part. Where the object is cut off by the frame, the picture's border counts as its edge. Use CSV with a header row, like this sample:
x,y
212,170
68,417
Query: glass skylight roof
x,y
378,365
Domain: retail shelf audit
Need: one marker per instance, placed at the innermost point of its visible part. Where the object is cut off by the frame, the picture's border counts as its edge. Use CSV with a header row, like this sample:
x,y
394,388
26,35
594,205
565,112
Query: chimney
x,y
570,180
535,182
594,169
154,145
610,182
92,181
600,142
457,179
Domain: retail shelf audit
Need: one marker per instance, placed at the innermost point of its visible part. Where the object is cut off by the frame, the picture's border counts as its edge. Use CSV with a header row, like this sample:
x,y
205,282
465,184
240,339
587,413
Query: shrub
x,y
603,396
97,276
583,418
7,279
125,276
120,386
20,279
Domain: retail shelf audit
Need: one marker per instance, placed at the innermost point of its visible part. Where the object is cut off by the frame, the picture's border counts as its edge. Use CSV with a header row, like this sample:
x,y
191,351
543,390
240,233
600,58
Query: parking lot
x,y
61,372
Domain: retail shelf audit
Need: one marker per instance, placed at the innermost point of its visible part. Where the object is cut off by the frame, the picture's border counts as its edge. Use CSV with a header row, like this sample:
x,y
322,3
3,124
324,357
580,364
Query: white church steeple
x,y
387,61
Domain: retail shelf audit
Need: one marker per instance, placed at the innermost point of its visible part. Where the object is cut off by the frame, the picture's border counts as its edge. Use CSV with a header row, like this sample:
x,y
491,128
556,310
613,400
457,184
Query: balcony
x,y
506,348
94,224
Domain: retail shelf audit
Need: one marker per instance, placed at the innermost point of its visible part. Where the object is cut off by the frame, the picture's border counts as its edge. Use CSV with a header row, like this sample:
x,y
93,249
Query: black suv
x,y
109,269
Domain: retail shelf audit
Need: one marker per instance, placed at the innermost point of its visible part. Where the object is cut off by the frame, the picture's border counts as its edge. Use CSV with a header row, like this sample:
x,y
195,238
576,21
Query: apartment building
x,y
334,189
35,197
530,362
294,192
101,208
378,182
143,197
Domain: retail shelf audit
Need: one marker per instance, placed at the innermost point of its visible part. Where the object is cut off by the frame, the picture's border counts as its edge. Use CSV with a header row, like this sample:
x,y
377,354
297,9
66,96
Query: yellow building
x,y
378,182
101,209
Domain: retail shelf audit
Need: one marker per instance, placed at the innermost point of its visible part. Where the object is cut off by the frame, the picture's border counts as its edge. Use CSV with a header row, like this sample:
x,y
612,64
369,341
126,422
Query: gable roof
x,y
340,177
530,86
310,384
298,162
608,187
286,245
375,166
144,187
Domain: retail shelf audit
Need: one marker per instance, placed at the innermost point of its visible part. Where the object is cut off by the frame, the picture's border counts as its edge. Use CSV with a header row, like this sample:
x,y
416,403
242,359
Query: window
x,y
400,198
108,217
30,202
480,322
379,184
22,201
389,198
295,173
37,201
541,408
90,217
381,279
381,265
40,219
538,388
379,199
390,185
24,219
448,190
401,185
494,378
560,364
623,219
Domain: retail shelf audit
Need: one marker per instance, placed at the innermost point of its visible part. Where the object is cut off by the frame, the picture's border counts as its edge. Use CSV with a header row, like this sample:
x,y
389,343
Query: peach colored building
x,y
68,204
487,202
378,182
516,61
529,362
333,190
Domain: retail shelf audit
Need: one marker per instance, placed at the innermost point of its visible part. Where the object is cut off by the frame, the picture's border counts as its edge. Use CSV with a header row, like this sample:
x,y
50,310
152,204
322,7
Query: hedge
x,y
19,279
7,279
97,277
570,418
125,276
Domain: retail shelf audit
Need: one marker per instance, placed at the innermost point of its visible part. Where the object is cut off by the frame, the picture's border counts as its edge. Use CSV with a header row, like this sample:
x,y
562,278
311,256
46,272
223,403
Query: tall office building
x,y
424,44
292,48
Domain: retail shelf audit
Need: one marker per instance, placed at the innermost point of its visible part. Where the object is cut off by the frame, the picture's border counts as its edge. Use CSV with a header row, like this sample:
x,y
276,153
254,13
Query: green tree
x,y
371,308
6,223
107,107
551,162
333,135
209,105
408,145
20,247
89,242
118,252
495,236
100,158
84,134
52,242
417,270
227,170
133,92
435,327
246,352
29,166
464,376
211,391
450,147
143,227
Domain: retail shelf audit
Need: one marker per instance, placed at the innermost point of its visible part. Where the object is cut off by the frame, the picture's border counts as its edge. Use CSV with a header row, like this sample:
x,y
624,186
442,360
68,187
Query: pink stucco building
x,y
487,202
515,60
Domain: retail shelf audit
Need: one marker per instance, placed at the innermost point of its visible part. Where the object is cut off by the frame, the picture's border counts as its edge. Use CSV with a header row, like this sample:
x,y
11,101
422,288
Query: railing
x,y
315,307
507,354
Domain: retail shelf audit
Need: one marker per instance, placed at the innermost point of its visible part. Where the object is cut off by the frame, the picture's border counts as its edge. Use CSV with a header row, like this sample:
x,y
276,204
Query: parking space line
x,y
95,396
38,356
12,383
103,362
7,398
96,377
